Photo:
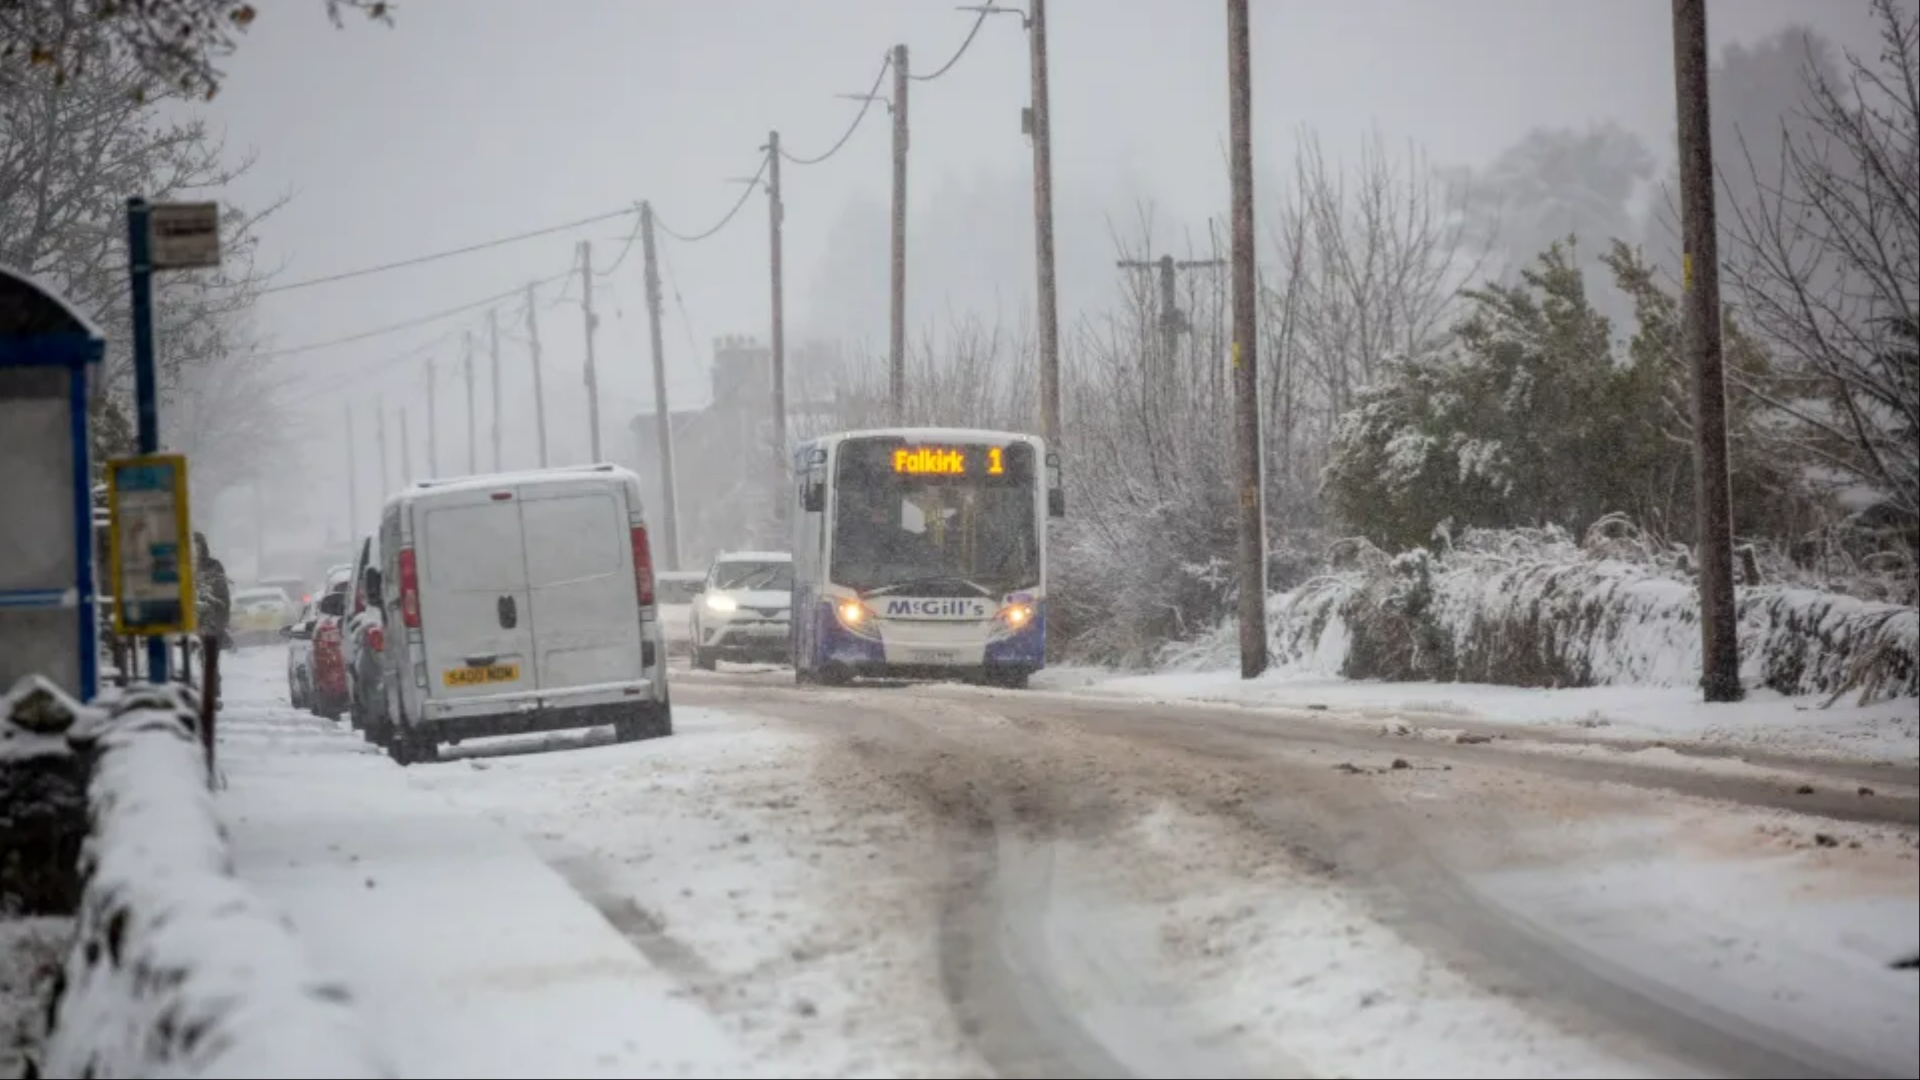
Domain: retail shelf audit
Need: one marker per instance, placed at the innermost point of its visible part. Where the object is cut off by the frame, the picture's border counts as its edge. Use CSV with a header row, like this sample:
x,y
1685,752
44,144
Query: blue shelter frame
x,y
40,330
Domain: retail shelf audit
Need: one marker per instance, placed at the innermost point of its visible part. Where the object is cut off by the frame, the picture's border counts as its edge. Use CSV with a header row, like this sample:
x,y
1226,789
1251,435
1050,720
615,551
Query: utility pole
x,y
406,451
662,415
380,437
1047,312
539,388
353,486
897,312
473,434
592,323
1173,322
493,378
1700,310
1246,368
776,212
433,427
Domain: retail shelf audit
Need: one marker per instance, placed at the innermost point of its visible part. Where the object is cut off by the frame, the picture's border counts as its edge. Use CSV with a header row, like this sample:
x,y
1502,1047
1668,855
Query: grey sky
x,y
477,118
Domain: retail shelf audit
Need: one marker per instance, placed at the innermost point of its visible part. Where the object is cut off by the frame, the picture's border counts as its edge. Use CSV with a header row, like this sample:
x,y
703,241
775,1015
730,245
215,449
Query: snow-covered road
x,y
945,881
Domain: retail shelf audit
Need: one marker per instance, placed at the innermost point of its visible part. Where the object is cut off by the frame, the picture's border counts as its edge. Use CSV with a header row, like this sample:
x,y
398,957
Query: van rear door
x,y
586,615
475,614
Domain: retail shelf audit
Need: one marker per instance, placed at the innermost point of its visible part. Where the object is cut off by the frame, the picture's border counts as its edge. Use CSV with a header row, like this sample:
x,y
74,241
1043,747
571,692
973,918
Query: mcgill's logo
x,y
937,609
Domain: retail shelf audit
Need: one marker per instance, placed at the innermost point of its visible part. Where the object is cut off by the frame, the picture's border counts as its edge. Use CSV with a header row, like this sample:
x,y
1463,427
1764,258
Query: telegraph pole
x,y
1173,322
897,312
406,451
1700,273
493,377
1246,368
776,212
353,488
433,427
592,323
380,437
539,389
473,434
662,415
1047,312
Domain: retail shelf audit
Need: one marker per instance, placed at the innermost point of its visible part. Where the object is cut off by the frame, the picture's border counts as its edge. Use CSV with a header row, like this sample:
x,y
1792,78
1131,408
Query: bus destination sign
x,y
949,461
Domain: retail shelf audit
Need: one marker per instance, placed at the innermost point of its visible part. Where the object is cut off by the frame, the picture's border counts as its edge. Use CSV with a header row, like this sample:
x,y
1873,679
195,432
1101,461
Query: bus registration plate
x,y
934,656
480,676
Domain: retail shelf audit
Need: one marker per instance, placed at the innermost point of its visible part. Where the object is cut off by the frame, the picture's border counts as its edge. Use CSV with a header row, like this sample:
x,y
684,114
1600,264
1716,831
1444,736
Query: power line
x,y
962,51
866,103
408,324
437,256
625,247
746,193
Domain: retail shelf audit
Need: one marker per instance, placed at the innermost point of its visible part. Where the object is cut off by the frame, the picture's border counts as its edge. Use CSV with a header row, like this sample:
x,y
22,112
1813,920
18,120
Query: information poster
x,y
151,543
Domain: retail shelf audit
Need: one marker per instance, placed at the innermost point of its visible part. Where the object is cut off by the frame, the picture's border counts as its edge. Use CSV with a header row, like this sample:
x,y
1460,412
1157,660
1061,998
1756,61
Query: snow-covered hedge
x,y
177,970
1533,608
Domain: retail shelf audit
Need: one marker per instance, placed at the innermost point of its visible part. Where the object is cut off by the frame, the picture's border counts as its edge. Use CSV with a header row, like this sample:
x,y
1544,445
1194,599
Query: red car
x,y
327,694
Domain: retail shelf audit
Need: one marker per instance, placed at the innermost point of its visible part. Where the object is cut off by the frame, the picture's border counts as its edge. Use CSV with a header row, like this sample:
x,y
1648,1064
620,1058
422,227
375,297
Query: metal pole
x,y
473,427
353,483
493,377
592,323
776,212
897,310
380,437
433,427
539,386
1047,310
406,451
1246,368
146,392
1700,273
662,415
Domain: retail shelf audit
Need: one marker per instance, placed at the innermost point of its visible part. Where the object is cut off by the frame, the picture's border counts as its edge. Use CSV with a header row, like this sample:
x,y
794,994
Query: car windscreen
x,y
757,575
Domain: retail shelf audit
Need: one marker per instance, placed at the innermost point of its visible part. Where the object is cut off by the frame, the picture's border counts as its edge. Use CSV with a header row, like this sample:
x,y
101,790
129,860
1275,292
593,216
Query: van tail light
x,y
409,590
642,566
377,638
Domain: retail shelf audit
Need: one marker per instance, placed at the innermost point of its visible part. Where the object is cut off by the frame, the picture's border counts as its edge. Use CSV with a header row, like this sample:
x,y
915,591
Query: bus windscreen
x,y
956,519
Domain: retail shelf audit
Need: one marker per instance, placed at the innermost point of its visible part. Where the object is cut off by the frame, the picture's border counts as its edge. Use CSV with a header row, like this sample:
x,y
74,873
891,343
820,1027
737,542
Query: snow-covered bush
x,y
43,795
177,969
1533,608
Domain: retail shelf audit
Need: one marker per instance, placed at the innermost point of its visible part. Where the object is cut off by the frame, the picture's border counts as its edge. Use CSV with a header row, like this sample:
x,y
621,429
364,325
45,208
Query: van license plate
x,y
934,656
480,676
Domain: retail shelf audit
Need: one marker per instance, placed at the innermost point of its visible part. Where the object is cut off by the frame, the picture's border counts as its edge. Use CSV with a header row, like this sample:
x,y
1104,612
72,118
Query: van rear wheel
x,y
646,722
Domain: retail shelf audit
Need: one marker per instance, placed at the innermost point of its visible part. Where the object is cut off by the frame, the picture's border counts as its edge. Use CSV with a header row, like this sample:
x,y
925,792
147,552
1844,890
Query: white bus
x,y
922,553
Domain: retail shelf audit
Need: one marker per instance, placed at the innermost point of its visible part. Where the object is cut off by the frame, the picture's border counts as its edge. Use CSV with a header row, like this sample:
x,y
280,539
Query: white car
x,y
744,611
676,591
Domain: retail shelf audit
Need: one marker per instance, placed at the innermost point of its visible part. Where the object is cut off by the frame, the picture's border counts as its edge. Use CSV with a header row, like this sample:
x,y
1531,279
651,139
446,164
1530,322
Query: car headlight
x,y
722,603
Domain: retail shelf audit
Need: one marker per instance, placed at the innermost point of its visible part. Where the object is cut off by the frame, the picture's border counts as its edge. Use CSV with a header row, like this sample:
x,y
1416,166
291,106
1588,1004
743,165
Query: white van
x,y
516,603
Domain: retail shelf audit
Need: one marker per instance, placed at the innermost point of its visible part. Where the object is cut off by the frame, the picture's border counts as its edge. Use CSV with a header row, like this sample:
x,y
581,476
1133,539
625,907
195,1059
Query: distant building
x,y
730,478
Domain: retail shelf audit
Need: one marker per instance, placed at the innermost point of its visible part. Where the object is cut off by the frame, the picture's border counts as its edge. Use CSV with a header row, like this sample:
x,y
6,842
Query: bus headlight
x,y
723,604
1016,616
856,617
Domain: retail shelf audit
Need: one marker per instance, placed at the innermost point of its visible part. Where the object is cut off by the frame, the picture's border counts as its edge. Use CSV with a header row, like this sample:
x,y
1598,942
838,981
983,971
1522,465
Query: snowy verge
x,y
1633,716
1532,608
176,969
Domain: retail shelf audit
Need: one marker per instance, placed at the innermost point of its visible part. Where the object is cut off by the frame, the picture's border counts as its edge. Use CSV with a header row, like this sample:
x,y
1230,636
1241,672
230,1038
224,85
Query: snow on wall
x,y
1527,608
176,969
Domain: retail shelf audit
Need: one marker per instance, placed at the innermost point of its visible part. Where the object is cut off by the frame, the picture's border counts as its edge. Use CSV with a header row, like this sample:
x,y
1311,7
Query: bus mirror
x,y
1056,503
813,496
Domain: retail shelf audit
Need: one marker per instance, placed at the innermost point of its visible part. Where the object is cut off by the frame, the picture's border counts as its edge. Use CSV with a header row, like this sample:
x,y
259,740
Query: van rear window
x,y
574,538
474,548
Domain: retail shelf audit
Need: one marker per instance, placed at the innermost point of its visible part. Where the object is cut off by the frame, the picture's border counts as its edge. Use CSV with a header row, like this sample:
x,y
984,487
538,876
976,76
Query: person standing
x,y
214,599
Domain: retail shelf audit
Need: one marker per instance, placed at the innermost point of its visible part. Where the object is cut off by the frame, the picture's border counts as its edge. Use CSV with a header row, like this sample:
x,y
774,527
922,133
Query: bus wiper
x,y
935,579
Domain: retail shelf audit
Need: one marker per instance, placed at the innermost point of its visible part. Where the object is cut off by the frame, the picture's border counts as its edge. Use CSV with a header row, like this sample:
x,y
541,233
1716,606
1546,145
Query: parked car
x,y
362,639
518,603
328,696
259,611
299,637
676,591
744,609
